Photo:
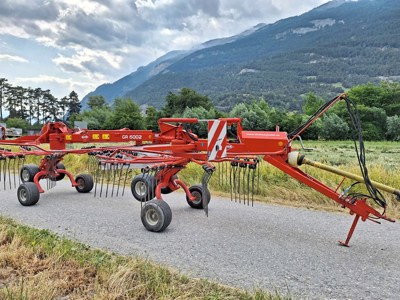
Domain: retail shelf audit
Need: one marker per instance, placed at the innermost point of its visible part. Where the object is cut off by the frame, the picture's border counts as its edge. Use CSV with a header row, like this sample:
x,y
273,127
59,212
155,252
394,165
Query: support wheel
x,y
156,215
28,172
28,194
85,183
60,176
197,191
143,187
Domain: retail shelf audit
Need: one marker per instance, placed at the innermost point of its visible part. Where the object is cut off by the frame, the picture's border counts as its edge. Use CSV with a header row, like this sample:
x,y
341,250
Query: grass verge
x,y
36,264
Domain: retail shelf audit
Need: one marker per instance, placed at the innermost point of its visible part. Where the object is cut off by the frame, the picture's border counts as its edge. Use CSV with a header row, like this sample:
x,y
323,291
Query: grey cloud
x,y
70,67
32,10
119,25
99,65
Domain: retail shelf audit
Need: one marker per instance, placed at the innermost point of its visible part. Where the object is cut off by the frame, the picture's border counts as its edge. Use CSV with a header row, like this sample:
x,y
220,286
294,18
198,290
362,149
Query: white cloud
x,y
59,86
103,40
14,58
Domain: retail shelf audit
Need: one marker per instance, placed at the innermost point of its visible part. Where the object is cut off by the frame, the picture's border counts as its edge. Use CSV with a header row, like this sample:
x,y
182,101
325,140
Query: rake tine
x,y
248,187
13,170
235,181
96,173
1,166
244,166
230,182
102,178
258,177
226,172
20,160
252,188
108,173
204,182
9,171
126,177
114,175
239,179
119,177
4,172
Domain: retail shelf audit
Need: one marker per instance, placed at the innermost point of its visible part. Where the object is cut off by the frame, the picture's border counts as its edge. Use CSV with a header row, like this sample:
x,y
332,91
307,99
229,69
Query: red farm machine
x,y
161,156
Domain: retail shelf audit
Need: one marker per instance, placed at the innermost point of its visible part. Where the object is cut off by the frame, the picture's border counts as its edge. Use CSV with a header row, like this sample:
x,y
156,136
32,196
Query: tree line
x,y
29,108
378,107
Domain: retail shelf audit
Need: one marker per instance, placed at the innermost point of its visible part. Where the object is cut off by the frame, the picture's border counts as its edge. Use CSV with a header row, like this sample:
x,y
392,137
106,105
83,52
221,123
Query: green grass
x,y
277,187
36,264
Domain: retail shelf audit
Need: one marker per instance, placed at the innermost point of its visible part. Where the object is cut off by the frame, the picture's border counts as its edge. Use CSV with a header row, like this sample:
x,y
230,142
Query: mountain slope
x,y
326,50
110,91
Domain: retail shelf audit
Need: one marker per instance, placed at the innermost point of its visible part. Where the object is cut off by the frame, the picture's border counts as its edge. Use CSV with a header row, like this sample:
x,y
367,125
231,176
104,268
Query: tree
x,y
151,119
253,117
126,114
17,123
334,128
74,106
177,103
373,122
312,104
96,102
3,92
393,128
96,118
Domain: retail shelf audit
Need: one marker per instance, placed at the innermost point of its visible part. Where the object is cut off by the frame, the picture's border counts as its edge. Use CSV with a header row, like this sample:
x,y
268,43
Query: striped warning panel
x,y
217,139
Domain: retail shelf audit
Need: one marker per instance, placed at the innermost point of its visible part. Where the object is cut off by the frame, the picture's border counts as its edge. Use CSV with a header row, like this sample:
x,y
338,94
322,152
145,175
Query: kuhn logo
x,y
84,137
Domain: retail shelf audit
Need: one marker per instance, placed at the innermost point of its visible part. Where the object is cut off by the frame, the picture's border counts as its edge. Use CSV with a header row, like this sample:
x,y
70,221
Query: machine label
x,y
132,137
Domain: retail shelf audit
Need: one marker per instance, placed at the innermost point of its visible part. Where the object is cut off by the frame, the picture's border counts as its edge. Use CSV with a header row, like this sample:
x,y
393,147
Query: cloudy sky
x,y
66,45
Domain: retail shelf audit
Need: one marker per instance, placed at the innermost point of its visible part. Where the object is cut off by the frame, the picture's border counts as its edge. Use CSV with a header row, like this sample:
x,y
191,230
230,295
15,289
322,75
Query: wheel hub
x,y
140,188
152,217
23,195
25,175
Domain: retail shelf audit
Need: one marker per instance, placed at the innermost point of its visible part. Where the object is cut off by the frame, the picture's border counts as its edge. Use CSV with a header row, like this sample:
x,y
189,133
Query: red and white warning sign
x,y
217,139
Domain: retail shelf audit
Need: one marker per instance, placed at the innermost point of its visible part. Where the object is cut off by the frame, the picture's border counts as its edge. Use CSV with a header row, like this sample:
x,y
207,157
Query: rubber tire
x,y
61,175
85,183
30,171
150,184
160,213
197,190
28,194
167,189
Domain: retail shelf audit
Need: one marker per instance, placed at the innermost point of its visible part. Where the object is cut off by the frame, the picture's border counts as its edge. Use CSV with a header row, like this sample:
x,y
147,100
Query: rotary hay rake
x,y
161,156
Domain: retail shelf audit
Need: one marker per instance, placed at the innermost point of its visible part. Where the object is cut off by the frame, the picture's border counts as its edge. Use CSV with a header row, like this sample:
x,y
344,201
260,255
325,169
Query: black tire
x,y
85,183
61,175
197,191
28,172
156,215
28,194
167,189
143,187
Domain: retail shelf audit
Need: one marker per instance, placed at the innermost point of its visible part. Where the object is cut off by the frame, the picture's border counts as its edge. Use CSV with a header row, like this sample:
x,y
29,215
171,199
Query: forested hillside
x,y
327,50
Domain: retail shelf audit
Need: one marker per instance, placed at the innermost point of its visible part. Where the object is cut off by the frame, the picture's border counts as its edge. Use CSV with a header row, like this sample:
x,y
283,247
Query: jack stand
x,y
349,235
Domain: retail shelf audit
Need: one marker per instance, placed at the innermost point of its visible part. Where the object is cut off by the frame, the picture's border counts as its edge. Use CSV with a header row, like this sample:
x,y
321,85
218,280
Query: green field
x,y
383,161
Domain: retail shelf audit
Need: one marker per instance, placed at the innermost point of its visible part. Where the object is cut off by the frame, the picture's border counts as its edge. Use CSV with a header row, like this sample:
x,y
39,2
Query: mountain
x,y
326,50
110,91
119,88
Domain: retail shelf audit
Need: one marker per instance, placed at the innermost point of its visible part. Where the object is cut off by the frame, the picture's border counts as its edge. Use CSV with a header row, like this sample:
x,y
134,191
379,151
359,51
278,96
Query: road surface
x,y
291,250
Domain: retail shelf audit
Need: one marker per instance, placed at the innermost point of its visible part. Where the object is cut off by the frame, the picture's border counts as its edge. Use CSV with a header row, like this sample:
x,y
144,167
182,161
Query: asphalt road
x,y
291,250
